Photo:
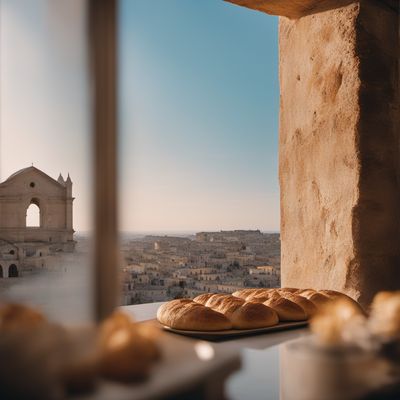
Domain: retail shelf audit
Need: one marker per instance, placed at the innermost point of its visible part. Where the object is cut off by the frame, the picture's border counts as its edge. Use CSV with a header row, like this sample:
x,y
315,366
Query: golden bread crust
x,y
286,309
308,306
202,298
186,314
253,315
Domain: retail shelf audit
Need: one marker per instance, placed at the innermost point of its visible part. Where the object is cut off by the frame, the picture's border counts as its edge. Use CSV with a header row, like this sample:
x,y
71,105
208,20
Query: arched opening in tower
x,y
33,215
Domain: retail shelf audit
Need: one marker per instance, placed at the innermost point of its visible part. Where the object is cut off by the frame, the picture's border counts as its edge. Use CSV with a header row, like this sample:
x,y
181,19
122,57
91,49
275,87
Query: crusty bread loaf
x,y
216,299
245,292
289,290
226,304
322,297
262,296
186,314
253,315
305,292
317,298
286,309
202,298
245,315
258,298
190,315
333,294
308,306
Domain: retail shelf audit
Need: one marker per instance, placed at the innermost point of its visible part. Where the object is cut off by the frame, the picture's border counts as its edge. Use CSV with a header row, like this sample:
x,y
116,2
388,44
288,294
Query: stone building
x,y
24,247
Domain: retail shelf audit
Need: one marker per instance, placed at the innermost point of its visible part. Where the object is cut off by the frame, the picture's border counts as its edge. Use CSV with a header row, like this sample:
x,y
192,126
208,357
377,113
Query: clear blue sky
x,y
199,100
199,104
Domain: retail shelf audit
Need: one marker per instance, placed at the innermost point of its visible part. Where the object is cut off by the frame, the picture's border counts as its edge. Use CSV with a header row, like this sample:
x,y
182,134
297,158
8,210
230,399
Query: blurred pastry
x,y
385,315
21,317
126,354
337,322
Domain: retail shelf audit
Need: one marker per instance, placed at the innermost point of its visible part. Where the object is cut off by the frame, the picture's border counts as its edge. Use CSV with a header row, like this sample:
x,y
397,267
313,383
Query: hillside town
x,y
159,268
154,267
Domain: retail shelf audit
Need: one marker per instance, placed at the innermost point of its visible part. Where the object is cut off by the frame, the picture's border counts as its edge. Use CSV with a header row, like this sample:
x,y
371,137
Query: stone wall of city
x,y
159,268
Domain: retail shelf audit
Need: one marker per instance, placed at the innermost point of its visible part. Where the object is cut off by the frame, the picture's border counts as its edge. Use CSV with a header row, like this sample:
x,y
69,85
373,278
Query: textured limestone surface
x,y
376,224
292,8
318,167
339,149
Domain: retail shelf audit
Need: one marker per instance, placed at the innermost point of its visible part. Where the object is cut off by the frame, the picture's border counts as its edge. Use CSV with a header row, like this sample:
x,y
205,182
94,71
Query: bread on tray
x,y
248,308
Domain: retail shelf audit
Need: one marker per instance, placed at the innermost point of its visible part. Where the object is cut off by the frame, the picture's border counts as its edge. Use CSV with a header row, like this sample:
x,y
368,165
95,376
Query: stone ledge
x,y
292,9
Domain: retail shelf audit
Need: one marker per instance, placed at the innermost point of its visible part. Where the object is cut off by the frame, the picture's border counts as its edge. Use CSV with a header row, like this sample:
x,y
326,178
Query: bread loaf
x,y
333,294
252,315
244,315
286,309
245,292
202,298
262,296
192,315
287,290
308,306
317,298
216,299
226,304
186,314
305,292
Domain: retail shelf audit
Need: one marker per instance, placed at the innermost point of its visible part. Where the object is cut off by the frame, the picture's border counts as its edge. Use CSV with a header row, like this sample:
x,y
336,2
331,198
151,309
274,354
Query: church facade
x,y
24,247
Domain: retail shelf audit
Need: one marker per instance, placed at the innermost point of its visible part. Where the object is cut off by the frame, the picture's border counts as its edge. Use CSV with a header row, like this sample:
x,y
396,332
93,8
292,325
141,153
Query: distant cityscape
x,y
154,267
159,268
44,261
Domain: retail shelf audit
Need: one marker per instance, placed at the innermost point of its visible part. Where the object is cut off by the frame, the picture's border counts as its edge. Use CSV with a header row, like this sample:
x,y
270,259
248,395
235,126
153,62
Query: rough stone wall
x,y
376,227
339,154
319,168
